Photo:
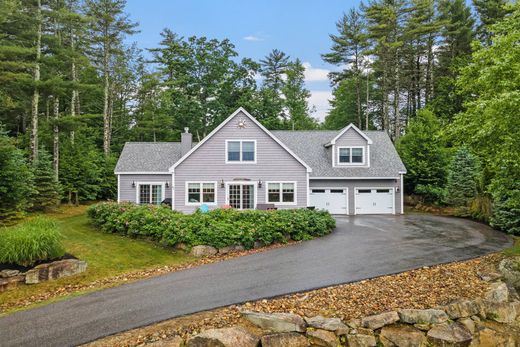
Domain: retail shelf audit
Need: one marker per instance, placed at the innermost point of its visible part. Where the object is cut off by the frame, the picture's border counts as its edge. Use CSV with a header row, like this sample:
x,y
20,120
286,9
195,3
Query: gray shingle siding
x,y
128,193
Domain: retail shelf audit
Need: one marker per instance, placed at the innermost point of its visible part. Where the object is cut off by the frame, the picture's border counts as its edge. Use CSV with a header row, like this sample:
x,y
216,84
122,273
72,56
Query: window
x,y
200,193
150,194
241,151
350,155
281,192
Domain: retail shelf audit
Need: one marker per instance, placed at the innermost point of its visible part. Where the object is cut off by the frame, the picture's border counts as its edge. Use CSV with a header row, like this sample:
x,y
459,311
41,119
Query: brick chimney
x,y
186,141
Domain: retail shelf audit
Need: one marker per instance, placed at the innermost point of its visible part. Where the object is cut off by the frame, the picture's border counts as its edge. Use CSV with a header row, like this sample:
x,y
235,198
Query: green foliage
x,y
463,176
431,193
218,228
47,193
343,106
28,243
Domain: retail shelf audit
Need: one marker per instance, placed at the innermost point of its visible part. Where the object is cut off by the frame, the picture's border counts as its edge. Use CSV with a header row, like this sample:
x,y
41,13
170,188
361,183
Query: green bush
x,y
217,228
431,194
28,243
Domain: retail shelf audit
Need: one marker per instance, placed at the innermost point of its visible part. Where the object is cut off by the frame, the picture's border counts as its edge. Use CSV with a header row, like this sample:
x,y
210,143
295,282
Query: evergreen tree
x,y
463,175
47,193
490,12
343,106
296,97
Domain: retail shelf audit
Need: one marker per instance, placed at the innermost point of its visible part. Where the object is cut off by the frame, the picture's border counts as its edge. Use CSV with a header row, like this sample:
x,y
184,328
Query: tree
x,y
490,12
296,96
47,192
343,106
36,79
463,176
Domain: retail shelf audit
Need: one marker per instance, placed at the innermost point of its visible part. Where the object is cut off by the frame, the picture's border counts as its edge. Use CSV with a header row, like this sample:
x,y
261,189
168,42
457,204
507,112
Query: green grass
x,y
107,255
515,250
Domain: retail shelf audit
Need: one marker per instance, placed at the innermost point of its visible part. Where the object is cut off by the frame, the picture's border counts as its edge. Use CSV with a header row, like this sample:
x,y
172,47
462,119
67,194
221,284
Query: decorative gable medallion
x,y
241,124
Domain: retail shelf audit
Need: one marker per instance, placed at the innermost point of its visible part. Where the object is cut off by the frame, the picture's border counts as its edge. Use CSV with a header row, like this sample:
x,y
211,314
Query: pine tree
x,y
47,193
463,174
296,96
490,12
343,106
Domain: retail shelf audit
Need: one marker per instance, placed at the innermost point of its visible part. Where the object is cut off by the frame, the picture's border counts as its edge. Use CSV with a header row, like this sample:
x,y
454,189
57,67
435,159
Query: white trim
x,y
308,190
402,195
392,189
351,126
240,161
138,184
118,188
142,173
255,190
201,183
333,157
346,193
173,190
281,203
354,178
350,156
240,109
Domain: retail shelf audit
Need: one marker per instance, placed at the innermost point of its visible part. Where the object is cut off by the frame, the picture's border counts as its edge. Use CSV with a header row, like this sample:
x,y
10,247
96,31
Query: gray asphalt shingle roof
x,y
307,145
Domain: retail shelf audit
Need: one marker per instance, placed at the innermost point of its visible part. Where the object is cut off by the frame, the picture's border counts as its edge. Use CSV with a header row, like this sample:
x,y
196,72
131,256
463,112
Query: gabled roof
x,y
310,146
344,130
253,119
148,157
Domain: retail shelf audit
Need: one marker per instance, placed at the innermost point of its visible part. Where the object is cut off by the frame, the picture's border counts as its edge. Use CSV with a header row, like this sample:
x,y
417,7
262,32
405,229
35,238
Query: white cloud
x,y
319,99
315,74
253,38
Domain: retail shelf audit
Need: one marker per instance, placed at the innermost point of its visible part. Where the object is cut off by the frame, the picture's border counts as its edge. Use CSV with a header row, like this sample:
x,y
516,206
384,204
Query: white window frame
x,y
200,183
242,183
363,149
281,189
240,161
138,189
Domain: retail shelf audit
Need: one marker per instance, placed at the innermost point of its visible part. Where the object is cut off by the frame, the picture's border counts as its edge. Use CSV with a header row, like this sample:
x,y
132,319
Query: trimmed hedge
x,y
217,228
28,243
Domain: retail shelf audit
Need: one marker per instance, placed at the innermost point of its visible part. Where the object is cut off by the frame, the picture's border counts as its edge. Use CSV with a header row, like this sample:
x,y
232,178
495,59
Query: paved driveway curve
x,y
361,247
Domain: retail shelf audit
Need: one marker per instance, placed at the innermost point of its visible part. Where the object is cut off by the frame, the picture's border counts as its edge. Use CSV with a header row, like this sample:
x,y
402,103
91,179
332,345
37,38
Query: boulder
x,y
462,308
361,340
239,248
176,341
11,282
225,337
490,338
497,292
468,324
322,338
203,251
330,324
489,276
510,269
226,250
380,320
276,322
414,316
502,312
402,336
55,270
258,244
284,340
9,273
449,334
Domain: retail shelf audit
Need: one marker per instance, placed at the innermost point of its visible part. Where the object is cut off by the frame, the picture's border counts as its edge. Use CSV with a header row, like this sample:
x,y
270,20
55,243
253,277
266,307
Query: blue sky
x,y
299,28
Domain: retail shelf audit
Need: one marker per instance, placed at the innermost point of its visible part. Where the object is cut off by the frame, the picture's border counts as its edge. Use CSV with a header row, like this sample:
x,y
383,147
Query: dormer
x,y
350,148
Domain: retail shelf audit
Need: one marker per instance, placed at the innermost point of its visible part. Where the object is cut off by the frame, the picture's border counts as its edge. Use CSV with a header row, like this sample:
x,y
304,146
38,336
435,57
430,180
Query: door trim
x,y
346,194
392,189
242,183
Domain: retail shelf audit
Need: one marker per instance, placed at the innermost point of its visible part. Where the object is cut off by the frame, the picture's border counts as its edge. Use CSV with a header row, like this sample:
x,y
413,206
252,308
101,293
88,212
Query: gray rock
x,y
402,336
380,320
462,308
468,324
354,323
226,250
449,334
498,292
510,269
225,337
414,316
330,324
290,339
55,270
11,282
502,312
489,276
239,248
258,244
276,322
361,340
9,273
322,338
203,251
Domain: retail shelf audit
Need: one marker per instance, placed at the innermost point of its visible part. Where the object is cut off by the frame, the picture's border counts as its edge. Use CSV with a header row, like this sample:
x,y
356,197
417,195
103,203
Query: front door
x,y
241,196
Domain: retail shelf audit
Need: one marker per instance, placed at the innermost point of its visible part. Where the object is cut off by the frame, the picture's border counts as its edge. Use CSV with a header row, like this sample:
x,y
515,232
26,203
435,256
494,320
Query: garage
x,y
334,200
374,201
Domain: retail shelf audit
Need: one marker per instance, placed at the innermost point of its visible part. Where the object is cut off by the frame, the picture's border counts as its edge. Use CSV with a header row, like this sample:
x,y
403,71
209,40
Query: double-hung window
x,y
150,194
241,151
281,192
350,155
200,193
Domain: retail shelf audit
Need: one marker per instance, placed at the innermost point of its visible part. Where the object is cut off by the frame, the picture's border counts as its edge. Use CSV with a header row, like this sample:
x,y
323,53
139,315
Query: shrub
x,y
217,228
431,193
463,176
28,243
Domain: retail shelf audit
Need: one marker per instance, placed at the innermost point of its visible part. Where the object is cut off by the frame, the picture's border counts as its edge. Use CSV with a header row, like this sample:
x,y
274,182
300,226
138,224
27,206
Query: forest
x,y
441,77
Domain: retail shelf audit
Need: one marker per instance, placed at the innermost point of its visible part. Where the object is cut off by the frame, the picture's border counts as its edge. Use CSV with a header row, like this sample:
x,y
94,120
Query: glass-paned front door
x,y
241,196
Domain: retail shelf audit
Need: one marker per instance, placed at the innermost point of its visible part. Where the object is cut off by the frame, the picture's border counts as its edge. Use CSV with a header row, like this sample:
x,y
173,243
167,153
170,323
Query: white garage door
x,y
374,201
333,200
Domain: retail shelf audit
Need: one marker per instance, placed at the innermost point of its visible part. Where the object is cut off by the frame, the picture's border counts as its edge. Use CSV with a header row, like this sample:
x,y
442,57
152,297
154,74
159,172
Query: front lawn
x,y
107,255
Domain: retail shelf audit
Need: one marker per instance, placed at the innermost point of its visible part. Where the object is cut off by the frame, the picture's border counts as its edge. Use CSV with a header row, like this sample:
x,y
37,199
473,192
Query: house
x,y
243,164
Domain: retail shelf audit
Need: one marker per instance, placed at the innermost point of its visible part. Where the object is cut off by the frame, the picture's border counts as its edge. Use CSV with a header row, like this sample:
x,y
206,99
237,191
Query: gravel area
x,y
422,288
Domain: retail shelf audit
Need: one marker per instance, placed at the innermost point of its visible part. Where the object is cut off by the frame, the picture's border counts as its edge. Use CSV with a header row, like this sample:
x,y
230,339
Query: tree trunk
x,y
56,138
36,92
367,108
74,97
106,115
397,115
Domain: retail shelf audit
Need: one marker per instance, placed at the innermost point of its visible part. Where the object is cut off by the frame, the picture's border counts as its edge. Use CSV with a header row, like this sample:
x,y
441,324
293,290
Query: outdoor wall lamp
x,y
397,189
222,184
259,183
133,184
167,184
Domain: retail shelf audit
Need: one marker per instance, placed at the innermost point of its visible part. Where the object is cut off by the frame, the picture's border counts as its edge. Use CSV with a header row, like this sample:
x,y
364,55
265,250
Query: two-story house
x,y
242,164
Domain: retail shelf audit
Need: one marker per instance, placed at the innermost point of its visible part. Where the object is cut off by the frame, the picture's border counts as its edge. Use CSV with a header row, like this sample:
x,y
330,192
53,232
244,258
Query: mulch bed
x,y
422,288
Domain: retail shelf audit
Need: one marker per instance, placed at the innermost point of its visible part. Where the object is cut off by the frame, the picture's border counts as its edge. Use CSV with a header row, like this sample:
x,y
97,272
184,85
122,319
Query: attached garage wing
x,y
374,201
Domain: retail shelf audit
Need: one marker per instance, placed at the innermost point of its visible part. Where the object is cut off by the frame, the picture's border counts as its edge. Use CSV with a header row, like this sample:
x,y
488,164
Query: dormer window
x,y
241,151
351,155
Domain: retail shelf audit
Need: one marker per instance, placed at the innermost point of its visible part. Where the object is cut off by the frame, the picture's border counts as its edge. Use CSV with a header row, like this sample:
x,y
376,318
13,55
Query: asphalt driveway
x,y
361,247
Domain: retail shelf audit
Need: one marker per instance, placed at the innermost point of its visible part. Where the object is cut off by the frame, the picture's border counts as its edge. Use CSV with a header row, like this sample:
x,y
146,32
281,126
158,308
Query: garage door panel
x,y
333,200
374,200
